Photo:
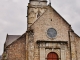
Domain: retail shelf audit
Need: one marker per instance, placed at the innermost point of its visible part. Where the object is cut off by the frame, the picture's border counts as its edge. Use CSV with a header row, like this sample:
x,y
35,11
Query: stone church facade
x,y
49,36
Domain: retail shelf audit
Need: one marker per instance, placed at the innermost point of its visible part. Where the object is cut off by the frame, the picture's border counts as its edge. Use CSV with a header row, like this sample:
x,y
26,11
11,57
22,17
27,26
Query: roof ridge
x,y
14,35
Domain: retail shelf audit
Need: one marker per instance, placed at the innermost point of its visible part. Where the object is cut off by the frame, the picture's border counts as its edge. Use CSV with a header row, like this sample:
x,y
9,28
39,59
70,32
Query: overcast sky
x,y
14,22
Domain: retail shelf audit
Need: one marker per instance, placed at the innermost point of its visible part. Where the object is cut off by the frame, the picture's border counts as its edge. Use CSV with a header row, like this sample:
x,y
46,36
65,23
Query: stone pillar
x,y
42,51
73,51
63,57
30,45
63,52
73,47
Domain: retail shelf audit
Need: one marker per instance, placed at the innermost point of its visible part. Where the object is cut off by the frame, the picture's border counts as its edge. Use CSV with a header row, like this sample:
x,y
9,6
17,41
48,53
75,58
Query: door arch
x,y
52,56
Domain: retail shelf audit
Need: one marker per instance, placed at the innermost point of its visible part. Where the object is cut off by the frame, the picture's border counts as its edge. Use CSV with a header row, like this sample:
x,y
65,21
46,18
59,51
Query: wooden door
x,y
52,56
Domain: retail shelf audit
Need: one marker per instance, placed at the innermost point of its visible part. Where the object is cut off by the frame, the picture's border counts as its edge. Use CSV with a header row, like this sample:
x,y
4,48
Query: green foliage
x,y
4,56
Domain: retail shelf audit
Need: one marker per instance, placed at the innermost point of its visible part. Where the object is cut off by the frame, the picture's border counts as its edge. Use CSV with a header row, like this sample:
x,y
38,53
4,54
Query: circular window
x,y
51,32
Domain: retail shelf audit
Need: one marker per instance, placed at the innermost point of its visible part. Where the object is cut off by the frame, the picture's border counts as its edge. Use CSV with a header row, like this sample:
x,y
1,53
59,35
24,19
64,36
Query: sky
x,y
13,14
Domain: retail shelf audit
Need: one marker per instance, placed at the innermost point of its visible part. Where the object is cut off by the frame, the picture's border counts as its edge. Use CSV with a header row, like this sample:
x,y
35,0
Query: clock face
x,y
51,32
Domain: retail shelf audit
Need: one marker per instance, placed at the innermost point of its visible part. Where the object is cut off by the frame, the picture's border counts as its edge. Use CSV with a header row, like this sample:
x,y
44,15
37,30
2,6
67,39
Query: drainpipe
x,y
70,43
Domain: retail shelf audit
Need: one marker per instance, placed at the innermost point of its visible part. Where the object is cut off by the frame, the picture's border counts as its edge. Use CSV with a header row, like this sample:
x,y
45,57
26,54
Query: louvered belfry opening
x,y
52,56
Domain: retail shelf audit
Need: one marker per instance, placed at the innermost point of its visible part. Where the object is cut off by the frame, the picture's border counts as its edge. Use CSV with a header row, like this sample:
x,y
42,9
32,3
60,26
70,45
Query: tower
x,y
35,9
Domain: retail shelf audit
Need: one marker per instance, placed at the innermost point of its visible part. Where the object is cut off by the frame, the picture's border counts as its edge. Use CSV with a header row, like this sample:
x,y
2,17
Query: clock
x,y
51,32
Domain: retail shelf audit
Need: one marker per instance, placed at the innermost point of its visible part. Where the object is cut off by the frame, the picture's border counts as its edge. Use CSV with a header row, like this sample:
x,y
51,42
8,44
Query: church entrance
x,y
52,56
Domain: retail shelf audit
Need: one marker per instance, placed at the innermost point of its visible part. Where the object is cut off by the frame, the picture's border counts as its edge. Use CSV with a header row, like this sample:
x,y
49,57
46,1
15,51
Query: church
x,y
48,37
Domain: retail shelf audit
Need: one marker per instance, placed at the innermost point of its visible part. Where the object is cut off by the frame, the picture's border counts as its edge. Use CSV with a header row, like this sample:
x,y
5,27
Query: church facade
x,y
49,36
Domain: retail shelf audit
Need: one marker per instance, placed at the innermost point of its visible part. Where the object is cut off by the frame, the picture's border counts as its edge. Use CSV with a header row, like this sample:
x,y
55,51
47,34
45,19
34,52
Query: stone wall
x,y
73,39
78,47
16,51
50,19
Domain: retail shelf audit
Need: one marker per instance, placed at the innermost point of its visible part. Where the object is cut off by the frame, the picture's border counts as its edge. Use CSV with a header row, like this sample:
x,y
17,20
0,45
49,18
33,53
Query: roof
x,y
0,57
11,38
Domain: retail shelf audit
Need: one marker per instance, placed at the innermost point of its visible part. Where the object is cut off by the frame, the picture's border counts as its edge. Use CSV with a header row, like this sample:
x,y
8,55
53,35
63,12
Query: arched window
x,y
52,56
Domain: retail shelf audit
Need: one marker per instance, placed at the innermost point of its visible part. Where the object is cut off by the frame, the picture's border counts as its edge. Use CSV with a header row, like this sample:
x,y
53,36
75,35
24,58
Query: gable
x,y
11,38
50,19
17,49
51,10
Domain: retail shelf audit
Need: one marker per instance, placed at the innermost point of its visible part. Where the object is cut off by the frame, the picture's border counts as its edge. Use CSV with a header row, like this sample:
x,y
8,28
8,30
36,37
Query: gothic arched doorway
x,y
52,56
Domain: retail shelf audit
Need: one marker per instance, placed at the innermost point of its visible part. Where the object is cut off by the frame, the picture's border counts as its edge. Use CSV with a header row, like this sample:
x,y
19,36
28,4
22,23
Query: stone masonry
x,y
36,44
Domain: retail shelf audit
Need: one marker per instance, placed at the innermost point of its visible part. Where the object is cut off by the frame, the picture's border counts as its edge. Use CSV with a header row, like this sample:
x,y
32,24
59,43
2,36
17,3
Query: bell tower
x,y
35,9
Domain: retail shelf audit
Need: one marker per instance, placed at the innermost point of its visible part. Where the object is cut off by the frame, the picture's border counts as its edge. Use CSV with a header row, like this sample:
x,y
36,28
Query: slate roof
x,y
0,57
11,38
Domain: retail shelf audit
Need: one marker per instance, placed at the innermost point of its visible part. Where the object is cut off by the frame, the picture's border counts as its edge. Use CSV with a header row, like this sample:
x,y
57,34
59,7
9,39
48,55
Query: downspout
x,y
70,43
